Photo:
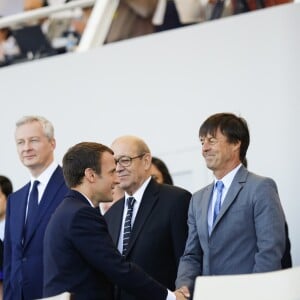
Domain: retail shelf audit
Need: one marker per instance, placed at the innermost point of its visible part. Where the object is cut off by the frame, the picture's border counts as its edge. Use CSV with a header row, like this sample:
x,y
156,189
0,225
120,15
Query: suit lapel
x,y
235,187
205,201
18,211
115,226
149,200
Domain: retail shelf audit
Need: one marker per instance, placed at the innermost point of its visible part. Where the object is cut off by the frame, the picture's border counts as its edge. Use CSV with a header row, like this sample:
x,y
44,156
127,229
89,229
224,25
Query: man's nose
x,y
205,145
27,145
119,167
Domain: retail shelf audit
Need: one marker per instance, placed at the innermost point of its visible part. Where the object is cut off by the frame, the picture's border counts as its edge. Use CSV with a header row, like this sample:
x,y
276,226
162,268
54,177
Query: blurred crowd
x,y
133,18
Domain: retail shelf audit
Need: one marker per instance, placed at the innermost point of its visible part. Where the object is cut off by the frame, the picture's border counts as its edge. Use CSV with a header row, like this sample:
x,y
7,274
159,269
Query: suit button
x,y
24,259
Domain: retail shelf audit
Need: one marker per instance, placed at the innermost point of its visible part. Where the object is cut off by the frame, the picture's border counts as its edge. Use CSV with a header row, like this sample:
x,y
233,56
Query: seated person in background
x,y
132,18
33,4
222,8
178,13
160,172
8,46
65,28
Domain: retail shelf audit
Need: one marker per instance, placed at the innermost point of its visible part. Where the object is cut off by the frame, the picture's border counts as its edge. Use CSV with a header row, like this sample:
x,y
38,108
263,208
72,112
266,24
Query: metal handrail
x,y
96,28
98,24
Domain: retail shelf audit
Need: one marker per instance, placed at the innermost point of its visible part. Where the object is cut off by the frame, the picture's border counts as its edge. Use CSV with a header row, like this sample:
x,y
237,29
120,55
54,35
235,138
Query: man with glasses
x,y
236,223
149,224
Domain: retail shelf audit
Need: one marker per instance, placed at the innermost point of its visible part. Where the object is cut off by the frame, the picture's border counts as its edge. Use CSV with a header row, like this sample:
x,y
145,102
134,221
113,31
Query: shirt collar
x,y
138,195
89,201
228,178
46,175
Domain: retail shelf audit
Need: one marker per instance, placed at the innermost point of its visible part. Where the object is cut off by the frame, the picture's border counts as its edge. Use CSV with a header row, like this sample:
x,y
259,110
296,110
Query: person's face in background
x,y
117,194
2,204
3,34
156,174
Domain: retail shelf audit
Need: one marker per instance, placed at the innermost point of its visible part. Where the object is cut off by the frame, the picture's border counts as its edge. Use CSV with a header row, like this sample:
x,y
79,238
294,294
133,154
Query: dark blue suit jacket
x,y
83,259
23,261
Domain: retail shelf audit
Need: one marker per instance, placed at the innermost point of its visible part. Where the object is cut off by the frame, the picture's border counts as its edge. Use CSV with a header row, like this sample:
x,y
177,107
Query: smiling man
x,y
83,259
236,224
149,224
29,209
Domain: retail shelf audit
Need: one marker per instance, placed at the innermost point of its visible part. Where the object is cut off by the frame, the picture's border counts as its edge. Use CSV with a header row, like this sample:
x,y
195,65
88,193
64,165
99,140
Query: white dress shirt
x,y
43,179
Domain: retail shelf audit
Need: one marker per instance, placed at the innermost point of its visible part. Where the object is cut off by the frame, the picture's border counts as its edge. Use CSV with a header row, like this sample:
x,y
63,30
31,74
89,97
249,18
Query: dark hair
x,y
161,166
81,157
5,185
234,128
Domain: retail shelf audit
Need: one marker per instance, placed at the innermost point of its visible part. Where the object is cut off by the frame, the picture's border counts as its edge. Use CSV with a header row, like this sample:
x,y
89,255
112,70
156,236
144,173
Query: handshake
x,y
182,293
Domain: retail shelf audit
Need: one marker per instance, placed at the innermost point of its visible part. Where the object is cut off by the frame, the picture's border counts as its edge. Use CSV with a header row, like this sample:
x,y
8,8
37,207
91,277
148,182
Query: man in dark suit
x,y
83,259
159,215
236,223
23,253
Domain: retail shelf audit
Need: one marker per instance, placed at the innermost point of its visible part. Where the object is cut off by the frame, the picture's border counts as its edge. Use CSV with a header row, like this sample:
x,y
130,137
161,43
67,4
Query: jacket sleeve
x,y
89,228
190,264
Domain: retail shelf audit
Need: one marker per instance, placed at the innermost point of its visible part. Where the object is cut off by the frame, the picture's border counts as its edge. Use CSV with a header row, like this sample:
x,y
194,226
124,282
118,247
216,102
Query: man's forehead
x,y
212,133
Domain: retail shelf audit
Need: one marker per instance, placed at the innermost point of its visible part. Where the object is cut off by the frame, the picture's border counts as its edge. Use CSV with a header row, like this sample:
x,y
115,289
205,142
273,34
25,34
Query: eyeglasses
x,y
125,161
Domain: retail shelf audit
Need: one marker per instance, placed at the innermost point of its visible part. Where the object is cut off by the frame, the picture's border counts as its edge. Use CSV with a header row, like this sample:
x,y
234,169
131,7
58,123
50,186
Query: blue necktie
x,y
219,187
33,206
127,224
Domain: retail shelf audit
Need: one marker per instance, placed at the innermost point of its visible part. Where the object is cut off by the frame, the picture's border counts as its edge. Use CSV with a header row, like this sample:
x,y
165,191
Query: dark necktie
x,y
33,206
219,186
127,224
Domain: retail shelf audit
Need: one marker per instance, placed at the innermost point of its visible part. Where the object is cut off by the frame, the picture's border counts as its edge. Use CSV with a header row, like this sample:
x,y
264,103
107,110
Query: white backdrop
x,y
161,87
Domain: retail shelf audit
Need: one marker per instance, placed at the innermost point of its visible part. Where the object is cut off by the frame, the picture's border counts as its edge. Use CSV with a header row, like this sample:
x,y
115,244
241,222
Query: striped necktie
x,y
127,224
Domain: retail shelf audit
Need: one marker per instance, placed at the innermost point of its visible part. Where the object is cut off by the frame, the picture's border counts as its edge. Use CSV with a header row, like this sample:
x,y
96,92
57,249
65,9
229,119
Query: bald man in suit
x,y
159,217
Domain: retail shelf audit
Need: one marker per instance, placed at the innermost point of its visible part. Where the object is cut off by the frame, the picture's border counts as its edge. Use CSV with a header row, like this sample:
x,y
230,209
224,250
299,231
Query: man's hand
x,y
182,293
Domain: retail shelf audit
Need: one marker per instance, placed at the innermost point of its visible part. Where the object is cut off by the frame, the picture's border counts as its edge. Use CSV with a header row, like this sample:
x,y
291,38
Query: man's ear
x,y
89,174
53,143
237,146
147,161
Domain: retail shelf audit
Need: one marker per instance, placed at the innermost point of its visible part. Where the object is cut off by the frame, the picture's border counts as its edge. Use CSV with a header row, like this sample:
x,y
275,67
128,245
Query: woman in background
x,y
5,189
160,171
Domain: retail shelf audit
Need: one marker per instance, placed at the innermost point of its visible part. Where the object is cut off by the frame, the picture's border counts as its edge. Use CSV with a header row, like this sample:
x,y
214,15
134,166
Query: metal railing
x,y
96,28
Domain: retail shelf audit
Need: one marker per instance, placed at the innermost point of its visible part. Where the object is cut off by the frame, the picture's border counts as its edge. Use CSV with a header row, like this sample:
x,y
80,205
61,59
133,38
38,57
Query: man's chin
x,y
106,200
29,164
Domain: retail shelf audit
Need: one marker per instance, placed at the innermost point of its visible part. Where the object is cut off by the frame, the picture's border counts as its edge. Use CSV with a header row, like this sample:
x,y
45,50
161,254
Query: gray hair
x,y
46,125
